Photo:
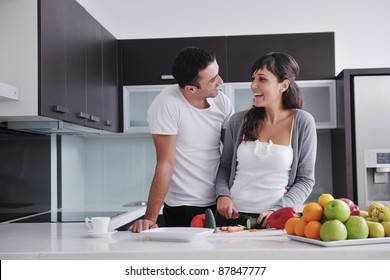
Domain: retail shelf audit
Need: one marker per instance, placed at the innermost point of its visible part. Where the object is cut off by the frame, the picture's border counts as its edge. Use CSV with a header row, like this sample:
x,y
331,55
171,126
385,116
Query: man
x,y
187,122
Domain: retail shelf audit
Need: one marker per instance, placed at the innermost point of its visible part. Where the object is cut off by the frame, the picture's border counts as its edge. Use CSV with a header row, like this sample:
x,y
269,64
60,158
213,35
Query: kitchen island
x,y
66,241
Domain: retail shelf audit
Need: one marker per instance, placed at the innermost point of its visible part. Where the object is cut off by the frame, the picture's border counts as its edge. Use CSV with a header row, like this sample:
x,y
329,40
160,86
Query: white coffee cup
x,y
98,224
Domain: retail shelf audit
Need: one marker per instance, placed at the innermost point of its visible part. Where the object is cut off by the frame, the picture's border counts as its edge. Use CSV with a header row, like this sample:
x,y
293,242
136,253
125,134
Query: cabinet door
x,y
149,61
110,82
136,101
52,59
76,63
319,100
314,53
94,72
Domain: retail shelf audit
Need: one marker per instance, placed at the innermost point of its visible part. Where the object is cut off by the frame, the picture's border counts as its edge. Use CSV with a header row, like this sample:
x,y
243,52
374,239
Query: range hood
x,y
52,127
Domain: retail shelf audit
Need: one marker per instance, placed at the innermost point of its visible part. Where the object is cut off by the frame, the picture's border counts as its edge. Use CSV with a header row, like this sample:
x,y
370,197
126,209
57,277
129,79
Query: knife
x,y
244,216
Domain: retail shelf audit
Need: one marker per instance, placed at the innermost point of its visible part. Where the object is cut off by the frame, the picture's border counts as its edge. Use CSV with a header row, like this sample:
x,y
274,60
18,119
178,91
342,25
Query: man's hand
x,y
142,224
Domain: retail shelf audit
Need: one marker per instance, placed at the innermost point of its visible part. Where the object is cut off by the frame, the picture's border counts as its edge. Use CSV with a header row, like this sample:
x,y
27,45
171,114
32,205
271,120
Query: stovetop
x,y
70,217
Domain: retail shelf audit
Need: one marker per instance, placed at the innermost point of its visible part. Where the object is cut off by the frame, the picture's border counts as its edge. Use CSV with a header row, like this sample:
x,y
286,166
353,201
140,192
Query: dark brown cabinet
x,y
94,70
78,69
149,61
52,57
110,116
75,26
314,53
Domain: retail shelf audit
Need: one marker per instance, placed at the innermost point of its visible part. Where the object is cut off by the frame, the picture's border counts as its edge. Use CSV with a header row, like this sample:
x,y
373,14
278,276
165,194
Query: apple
x,y
363,214
333,230
337,209
324,198
386,225
355,211
375,229
357,227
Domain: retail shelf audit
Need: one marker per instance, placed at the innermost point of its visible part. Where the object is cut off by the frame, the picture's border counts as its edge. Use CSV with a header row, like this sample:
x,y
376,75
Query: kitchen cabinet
x,y
149,61
110,114
319,99
136,101
314,53
52,59
78,71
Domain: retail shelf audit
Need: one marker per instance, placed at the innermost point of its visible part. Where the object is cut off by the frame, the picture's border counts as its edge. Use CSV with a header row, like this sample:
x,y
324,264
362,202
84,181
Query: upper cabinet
x,y
314,53
149,61
319,99
78,69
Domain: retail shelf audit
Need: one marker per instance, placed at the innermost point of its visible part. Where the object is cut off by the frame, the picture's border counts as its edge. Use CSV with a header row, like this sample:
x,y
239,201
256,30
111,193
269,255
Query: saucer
x,y
101,235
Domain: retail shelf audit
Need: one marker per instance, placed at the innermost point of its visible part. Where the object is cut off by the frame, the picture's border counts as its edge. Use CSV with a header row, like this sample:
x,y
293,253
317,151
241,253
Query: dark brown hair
x,y
284,67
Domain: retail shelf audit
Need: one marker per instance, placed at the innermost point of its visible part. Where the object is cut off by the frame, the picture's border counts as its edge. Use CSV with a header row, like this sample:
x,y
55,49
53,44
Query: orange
x,y
290,224
299,227
312,211
312,230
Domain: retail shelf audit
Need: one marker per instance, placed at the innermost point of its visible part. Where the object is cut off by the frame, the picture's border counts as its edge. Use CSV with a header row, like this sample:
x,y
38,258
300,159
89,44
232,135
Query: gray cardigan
x,y
304,143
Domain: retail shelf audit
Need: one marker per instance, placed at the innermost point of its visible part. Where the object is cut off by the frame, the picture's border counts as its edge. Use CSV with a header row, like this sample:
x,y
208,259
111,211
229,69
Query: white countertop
x,y
70,241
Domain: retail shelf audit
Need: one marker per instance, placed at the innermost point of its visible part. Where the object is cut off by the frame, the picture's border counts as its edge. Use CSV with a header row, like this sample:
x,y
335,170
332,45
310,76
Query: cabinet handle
x,y
83,115
167,77
107,123
94,118
60,109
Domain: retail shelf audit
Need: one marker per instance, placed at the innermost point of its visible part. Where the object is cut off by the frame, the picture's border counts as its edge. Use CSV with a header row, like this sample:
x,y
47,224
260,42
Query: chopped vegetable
x,y
279,218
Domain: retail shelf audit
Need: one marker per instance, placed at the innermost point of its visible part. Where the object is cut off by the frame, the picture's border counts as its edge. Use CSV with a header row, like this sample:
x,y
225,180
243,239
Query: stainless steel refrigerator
x,y
361,141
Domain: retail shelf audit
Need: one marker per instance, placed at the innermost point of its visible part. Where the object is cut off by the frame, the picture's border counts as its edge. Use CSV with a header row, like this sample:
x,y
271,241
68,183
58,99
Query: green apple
x,y
337,209
386,225
357,227
375,229
333,230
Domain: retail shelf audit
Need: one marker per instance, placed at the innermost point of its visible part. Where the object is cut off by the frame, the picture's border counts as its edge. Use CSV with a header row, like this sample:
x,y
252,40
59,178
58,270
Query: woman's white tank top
x,y
262,174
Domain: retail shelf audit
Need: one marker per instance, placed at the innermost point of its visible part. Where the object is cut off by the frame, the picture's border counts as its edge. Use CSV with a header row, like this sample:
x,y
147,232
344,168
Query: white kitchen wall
x,y
362,39
97,171
73,164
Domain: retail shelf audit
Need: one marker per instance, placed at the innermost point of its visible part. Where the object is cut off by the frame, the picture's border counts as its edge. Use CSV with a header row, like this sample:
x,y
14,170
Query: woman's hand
x,y
226,207
263,219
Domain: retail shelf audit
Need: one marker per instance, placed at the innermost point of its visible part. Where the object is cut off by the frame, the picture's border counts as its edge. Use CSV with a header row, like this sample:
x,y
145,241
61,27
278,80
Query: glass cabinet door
x,y
136,102
319,100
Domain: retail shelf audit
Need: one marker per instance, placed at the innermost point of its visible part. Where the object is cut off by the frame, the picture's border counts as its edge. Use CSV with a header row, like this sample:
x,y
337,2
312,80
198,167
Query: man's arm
x,y
165,150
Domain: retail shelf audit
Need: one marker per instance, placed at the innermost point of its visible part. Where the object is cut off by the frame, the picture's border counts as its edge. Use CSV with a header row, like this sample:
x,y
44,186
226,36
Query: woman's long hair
x,y
284,67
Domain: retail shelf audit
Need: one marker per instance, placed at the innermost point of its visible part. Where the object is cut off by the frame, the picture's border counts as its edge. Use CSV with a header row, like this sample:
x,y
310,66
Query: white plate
x,y
101,235
178,234
341,242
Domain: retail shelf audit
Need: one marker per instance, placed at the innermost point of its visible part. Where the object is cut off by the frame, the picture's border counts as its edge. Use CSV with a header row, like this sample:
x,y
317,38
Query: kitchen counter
x,y
70,241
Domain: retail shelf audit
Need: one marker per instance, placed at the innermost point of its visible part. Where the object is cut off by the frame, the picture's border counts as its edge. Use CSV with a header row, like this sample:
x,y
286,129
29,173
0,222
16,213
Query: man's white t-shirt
x,y
198,134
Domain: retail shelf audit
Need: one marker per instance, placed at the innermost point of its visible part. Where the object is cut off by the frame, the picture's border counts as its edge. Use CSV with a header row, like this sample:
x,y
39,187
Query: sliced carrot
x,y
235,228
224,228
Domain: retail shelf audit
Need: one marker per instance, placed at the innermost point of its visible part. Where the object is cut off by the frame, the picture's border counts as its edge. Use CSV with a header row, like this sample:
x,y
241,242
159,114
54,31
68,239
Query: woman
x,y
268,148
